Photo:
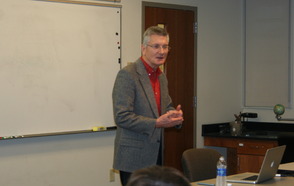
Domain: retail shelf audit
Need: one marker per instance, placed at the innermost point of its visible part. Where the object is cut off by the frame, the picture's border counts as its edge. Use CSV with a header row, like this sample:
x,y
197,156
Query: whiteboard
x,y
267,61
58,63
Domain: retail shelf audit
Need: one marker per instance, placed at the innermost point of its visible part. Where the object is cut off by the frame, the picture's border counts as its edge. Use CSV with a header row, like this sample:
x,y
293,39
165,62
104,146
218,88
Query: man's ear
x,y
143,48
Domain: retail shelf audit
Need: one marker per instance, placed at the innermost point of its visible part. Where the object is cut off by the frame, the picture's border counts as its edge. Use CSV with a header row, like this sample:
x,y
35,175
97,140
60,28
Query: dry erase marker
x,y
100,128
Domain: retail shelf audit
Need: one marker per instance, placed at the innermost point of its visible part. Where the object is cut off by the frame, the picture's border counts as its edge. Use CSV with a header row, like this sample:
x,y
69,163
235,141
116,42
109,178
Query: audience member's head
x,y
158,176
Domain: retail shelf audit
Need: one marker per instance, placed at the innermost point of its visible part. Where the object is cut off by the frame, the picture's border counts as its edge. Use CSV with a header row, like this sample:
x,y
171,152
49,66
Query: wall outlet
x,y
111,175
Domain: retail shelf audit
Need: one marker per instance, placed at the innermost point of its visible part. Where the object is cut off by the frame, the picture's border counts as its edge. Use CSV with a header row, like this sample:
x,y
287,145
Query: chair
x,y
200,163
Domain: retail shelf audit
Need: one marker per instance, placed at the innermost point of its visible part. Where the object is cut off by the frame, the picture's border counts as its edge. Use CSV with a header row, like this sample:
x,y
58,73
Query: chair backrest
x,y
200,163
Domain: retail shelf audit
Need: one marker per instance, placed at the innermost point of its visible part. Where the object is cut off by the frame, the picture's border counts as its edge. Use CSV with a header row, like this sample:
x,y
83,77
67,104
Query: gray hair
x,y
158,176
154,30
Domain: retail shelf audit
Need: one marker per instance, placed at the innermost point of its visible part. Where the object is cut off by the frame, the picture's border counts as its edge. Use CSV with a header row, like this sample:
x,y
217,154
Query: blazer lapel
x,y
145,82
163,92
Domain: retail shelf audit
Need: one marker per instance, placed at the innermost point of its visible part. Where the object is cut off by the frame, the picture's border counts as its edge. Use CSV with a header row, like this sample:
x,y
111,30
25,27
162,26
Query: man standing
x,y
142,107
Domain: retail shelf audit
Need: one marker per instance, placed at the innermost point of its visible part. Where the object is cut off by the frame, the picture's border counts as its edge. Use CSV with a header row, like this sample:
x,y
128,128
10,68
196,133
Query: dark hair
x,y
158,176
154,30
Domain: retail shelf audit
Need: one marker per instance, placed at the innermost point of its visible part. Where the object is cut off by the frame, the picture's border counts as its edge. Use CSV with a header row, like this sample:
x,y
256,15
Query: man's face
x,y
155,53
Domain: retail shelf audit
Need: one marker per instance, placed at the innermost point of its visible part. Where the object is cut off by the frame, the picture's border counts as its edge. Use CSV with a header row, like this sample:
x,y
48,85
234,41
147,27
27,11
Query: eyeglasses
x,y
157,47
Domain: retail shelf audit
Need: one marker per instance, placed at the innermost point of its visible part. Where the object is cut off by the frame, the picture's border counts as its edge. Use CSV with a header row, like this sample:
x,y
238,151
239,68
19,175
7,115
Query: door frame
x,y
180,7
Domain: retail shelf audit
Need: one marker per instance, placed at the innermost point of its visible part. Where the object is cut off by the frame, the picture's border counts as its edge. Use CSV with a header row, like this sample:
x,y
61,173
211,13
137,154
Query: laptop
x,y
267,171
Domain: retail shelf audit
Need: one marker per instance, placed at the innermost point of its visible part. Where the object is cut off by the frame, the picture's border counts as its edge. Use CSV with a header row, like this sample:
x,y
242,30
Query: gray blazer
x,y
135,111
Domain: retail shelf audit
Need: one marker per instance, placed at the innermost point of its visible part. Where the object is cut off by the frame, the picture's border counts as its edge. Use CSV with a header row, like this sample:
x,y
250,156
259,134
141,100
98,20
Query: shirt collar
x,y
149,69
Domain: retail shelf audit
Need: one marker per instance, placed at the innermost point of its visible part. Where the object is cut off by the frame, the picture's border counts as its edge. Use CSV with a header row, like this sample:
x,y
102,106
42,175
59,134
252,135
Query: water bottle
x,y
221,172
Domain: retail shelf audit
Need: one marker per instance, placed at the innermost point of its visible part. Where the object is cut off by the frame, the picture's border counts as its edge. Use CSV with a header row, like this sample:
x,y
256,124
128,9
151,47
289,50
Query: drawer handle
x,y
241,144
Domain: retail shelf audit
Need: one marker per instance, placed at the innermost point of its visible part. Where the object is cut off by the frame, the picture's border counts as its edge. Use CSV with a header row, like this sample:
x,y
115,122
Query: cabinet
x,y
243,155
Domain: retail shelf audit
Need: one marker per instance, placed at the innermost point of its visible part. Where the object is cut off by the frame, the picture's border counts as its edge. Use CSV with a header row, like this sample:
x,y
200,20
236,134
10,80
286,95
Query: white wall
x,y
86,159
76,160
219,64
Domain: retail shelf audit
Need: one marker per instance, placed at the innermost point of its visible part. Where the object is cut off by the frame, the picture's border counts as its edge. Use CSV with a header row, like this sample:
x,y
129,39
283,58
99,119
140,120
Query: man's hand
x,y
171,118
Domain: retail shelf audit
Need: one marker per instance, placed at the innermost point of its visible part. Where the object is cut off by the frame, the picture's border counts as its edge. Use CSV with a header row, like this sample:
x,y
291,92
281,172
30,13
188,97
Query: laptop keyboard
x,y
252,178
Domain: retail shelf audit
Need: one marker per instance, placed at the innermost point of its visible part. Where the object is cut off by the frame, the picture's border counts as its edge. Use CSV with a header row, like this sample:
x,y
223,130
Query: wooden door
x,y
180,71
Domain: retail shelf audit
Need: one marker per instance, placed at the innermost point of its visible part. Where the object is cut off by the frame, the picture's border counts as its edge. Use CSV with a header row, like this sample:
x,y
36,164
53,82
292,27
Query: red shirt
x,y
153,76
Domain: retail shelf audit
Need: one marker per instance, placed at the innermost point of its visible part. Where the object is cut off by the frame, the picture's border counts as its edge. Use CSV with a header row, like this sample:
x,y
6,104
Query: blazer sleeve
x,y
131,107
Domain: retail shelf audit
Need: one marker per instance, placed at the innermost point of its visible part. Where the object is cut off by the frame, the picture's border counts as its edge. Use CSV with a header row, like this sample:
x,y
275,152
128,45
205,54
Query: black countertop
x,y
252,130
